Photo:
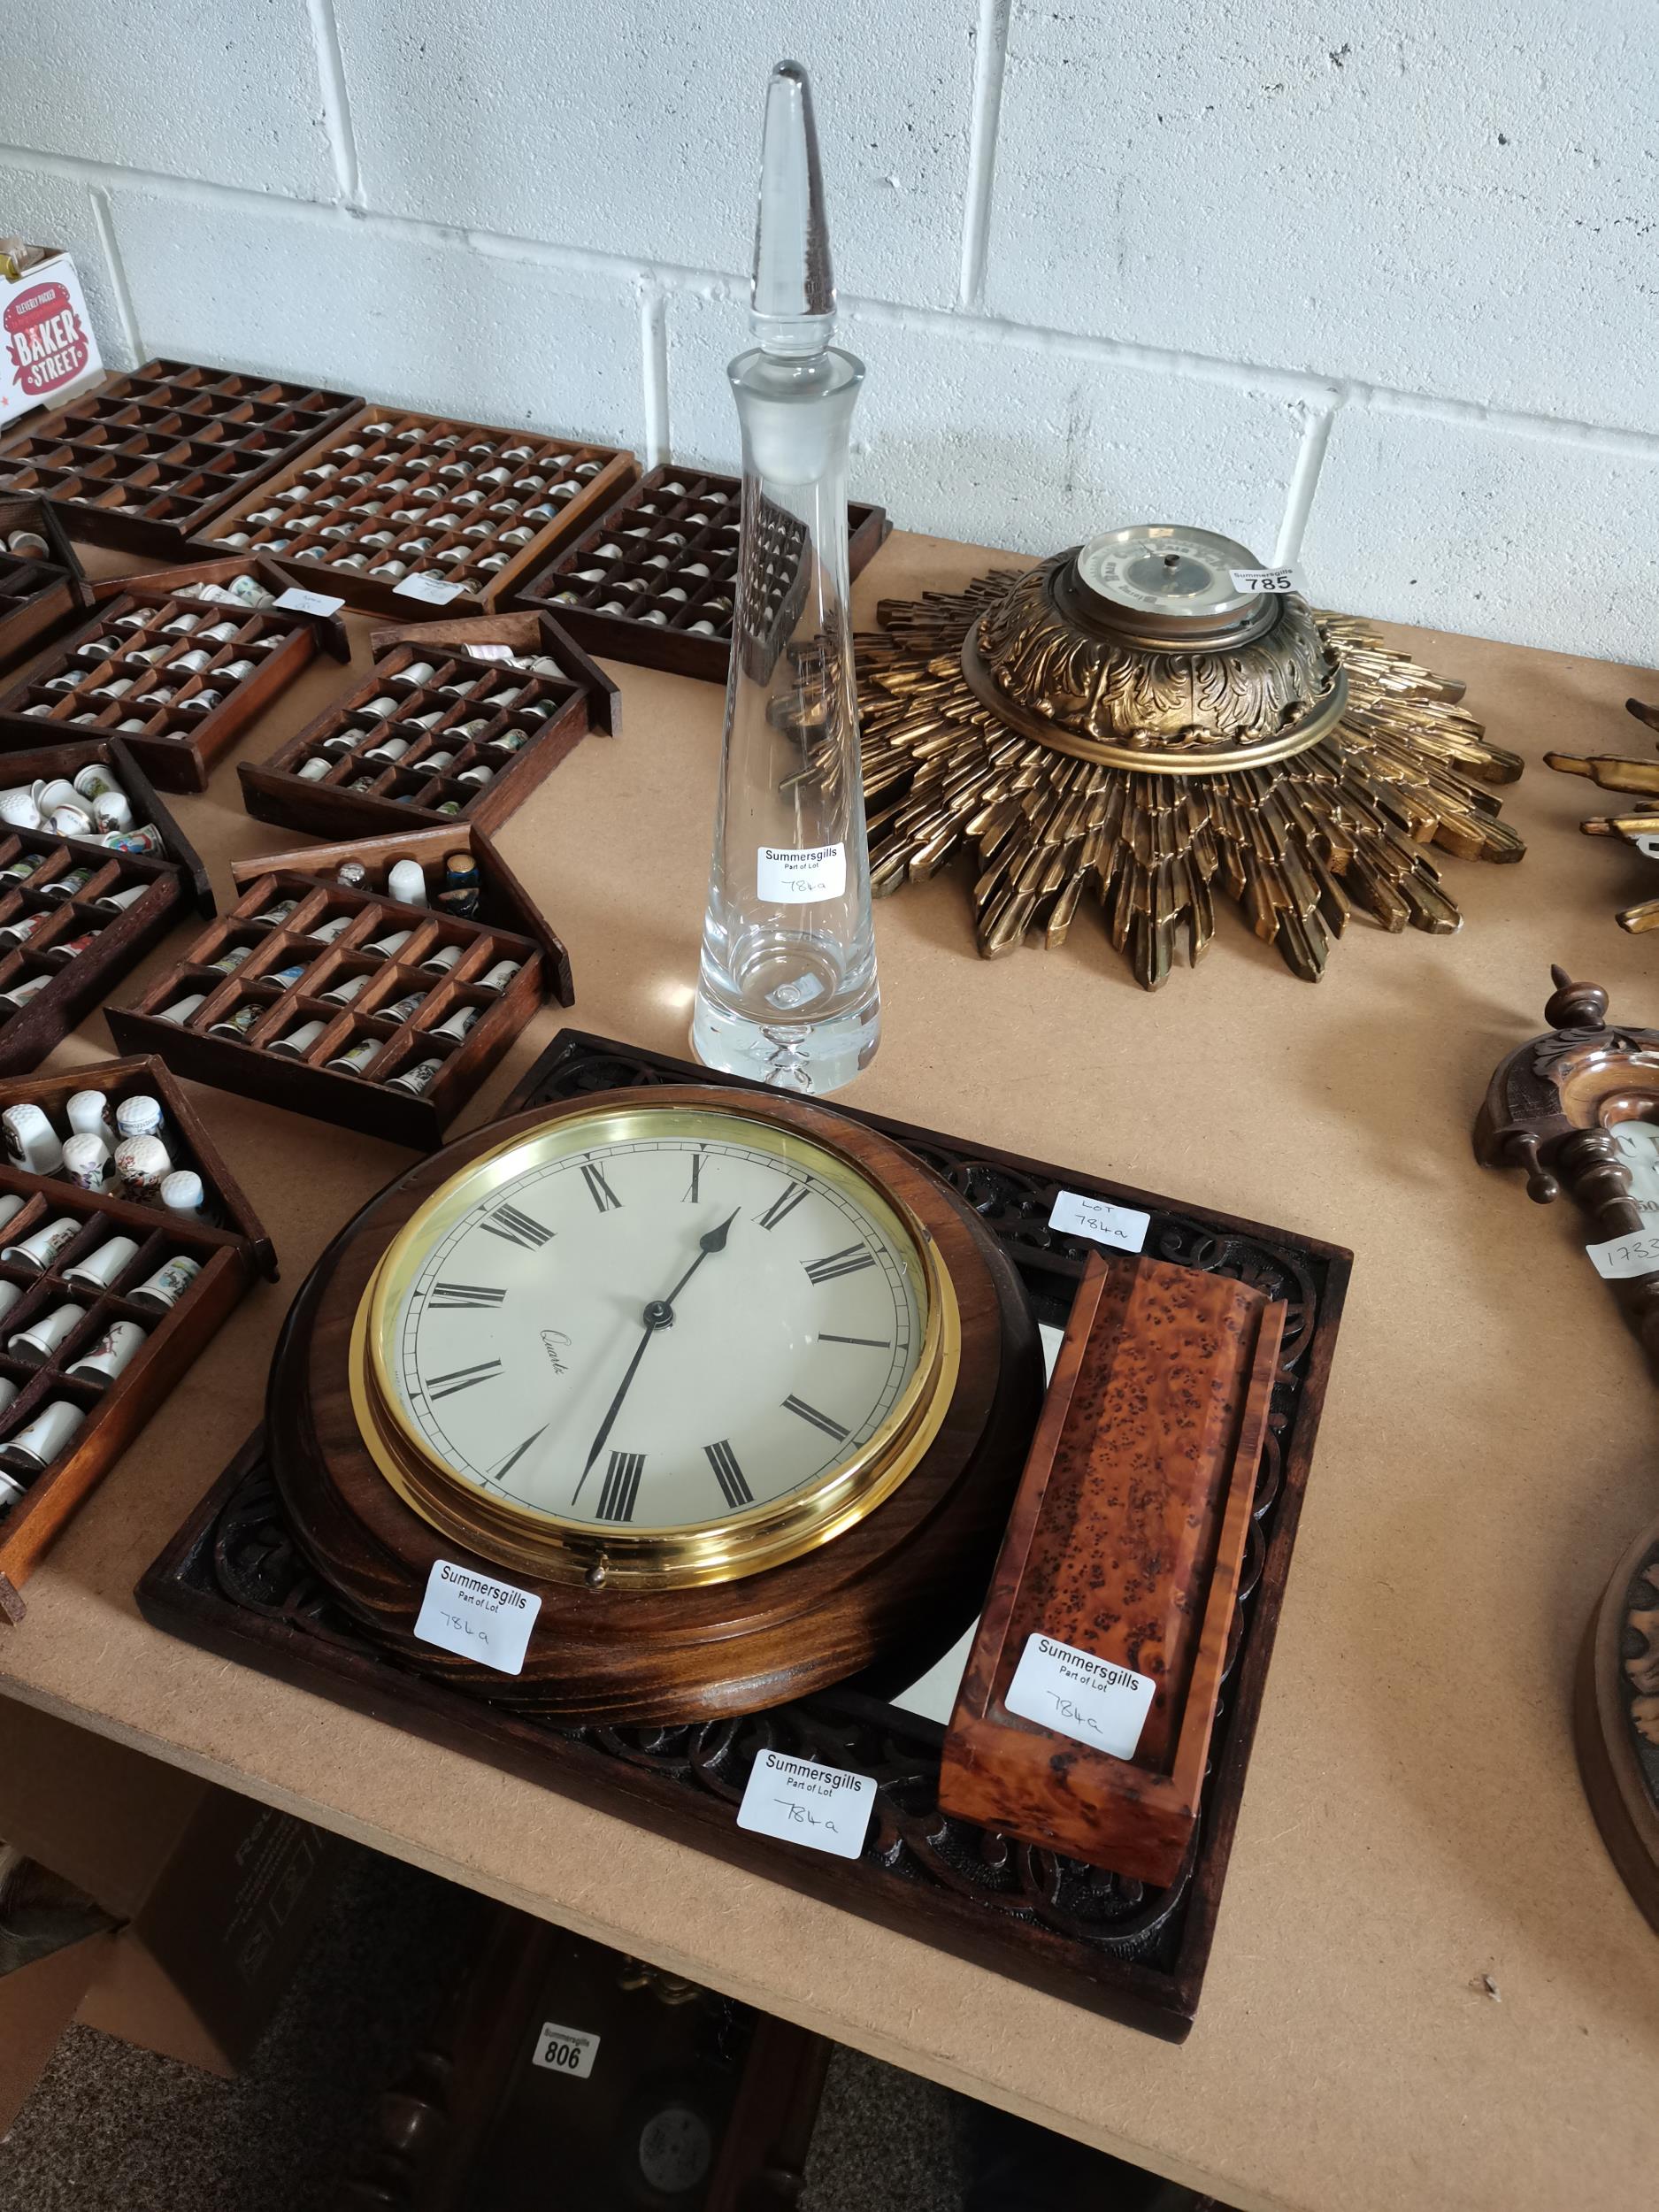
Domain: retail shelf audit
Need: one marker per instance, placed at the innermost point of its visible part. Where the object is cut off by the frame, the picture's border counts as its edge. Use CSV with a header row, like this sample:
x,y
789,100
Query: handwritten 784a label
x,y
1090,1698
825,1808
476,1617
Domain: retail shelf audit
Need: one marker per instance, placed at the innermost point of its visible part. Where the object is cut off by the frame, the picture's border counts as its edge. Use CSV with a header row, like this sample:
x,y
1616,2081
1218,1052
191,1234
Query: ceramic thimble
x,y
299,1041
46,1436
355,1057
235,1027
141,1162
96,1269
31,1140
10,1292
418,1079
406,882
458,1022
46,1332
87,1160
20,993
336,926
140,1115
499,976
11,1206
391,944
88,1112
182,1192
341,993
107,1357
168,1284
182,1009
37,1252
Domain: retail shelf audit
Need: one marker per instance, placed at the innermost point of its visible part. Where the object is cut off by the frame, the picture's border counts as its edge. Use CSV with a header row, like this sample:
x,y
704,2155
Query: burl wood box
x,y
1125,1544
229,1253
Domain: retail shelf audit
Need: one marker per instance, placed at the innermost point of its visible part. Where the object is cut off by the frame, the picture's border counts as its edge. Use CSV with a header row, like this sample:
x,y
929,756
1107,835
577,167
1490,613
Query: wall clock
x,y
737,1388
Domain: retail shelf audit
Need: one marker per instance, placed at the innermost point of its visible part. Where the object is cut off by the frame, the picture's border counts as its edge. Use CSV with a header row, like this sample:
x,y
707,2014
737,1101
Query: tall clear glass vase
x,y
789,991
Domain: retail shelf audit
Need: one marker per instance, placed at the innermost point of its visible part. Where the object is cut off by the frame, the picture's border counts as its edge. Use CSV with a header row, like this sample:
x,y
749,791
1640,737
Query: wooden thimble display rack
x,y
467,734
655,580
77,914
405,508
500,899
152,455
228,1252
177,674
320,997
38,591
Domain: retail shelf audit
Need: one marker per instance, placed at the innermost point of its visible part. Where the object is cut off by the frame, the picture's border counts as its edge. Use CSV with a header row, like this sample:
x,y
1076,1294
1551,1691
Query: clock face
x,y
650,1324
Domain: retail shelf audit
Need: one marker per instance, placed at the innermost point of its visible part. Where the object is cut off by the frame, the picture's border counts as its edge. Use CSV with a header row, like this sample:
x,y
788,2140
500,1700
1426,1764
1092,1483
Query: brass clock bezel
x,y
765,1535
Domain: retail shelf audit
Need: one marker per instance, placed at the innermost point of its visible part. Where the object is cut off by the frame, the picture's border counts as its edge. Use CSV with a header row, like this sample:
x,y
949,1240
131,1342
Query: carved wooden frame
x,y
1550,1108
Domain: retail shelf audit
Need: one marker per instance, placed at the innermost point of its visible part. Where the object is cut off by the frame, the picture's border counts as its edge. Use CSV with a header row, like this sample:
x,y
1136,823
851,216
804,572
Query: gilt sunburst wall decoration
x,y
1126,721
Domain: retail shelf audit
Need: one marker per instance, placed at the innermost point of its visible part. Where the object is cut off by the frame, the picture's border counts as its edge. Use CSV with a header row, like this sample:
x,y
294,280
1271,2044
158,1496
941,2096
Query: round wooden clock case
x,y
879,1600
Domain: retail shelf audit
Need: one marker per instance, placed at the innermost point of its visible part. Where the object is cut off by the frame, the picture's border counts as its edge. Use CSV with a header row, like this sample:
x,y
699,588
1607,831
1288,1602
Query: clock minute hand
x,y
657,1315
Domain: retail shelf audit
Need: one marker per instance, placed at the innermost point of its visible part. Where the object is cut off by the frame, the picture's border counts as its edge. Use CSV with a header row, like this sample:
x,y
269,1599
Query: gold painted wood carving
x,y
1613,771
1123,721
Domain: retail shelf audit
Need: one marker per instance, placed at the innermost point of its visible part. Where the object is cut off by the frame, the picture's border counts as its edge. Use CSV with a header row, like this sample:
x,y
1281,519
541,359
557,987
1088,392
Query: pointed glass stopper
x,y
791,299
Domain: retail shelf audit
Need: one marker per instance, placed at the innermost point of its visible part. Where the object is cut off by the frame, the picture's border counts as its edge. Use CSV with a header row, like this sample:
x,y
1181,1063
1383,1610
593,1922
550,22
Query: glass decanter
x,y
787,993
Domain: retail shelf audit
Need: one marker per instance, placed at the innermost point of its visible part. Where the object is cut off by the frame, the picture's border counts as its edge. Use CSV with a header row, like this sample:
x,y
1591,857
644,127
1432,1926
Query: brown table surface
x,y
1413,1821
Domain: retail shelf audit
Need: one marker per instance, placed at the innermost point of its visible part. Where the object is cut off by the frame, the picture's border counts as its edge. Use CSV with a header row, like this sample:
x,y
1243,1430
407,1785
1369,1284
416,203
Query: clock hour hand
x,y
657,1315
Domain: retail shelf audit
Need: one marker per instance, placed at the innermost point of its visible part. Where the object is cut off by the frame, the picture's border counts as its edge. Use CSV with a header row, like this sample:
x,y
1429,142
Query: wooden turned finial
x,y
1574,1005
1521,1150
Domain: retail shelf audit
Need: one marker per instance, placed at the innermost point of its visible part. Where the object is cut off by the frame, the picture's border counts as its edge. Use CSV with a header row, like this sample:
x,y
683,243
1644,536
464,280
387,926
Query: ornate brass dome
x,y
1134,719
1137,650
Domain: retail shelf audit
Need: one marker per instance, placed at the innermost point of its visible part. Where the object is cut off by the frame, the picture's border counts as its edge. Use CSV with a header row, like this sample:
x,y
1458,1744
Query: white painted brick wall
x,y
1371,290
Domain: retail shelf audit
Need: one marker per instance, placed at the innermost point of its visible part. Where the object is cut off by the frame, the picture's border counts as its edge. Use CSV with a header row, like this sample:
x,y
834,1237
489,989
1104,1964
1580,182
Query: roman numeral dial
x,y
658,1330
516,1228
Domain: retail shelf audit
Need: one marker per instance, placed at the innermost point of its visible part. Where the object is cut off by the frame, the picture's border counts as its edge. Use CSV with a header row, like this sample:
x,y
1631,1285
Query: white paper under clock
x,y
565,2050
436,591
1078,1695
797,878
489,652
478,1617
801,1802
1123,1227
297,602
1621,1258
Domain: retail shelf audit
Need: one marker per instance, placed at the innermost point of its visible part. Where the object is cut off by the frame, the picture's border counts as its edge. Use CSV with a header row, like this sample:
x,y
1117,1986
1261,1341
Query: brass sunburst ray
x,y
1640,828
1302,771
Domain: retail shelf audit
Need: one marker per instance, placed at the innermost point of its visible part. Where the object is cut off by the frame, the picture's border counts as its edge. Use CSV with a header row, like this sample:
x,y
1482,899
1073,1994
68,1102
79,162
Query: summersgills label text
x,y
476,1618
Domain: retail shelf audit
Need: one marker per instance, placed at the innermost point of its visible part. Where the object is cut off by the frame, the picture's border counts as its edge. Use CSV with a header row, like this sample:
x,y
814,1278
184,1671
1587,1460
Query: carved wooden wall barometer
x,y
1129,721
736,1389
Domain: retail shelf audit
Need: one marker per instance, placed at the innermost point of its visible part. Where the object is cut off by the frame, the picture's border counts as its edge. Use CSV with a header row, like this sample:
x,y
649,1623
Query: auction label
x,y
1621,1257
567,2050
1262,579
308,601
467,1613
825,1808
791,877
1123,1227
1091,1699
437,591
